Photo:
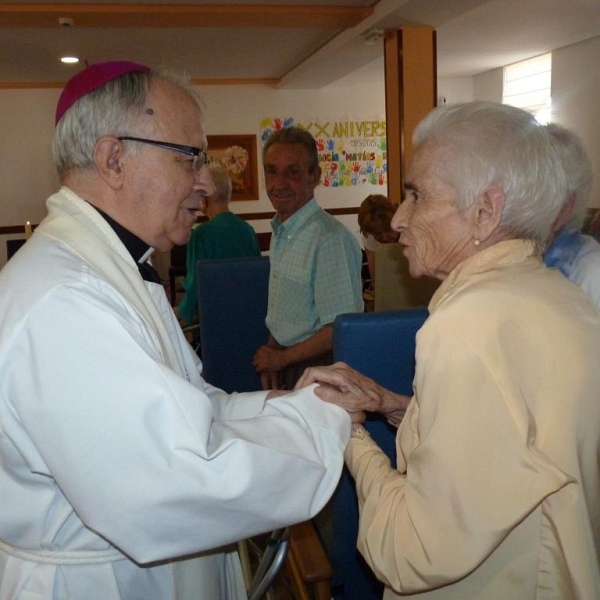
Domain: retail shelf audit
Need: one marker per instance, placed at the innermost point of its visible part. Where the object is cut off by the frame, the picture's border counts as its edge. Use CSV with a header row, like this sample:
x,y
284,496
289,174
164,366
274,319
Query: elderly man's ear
x,y
108,155
489,207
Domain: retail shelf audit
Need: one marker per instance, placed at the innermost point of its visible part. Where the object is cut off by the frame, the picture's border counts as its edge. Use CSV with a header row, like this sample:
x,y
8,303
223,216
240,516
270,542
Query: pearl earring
x,y
476,242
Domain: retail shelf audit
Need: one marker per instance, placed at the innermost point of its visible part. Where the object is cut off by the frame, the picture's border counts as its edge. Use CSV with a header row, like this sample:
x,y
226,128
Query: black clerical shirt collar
x,y
139,250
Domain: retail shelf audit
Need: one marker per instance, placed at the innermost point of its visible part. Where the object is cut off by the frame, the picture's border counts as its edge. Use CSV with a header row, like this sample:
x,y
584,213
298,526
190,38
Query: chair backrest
x,y
395,287
232,306
380,345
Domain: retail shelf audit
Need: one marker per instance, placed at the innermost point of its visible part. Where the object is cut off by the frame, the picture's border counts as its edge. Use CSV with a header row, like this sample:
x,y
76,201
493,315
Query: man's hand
x,y
269,380
269,358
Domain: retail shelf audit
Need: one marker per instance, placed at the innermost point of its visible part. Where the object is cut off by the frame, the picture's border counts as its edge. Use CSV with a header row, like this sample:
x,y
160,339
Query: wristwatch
x,y
359,433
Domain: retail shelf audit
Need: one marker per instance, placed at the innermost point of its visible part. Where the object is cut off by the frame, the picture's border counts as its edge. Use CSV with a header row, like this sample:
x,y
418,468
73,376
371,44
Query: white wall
x,y
26,171
27,116
488,85
455,89
575,93
27,175
240,109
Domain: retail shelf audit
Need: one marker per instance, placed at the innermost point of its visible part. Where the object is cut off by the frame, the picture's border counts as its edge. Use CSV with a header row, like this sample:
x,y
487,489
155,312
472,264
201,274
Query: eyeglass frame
x,y
201,157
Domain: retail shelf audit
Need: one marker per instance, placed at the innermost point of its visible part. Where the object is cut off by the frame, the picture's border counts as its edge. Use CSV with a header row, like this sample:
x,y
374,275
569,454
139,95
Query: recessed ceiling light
x,y
70,60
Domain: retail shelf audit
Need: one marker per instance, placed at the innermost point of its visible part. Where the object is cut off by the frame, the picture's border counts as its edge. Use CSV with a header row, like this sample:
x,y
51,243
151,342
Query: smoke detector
x,y
373,35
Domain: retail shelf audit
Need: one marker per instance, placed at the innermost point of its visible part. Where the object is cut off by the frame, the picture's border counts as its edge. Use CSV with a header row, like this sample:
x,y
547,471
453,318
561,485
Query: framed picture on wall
x,y
236,154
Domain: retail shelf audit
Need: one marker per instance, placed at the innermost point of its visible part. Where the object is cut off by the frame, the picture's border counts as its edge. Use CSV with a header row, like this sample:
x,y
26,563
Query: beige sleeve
x,y
467,474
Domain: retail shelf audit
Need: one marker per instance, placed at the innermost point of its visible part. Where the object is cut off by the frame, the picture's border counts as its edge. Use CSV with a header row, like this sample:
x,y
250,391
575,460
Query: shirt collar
x,y
139,250
293,223
499,255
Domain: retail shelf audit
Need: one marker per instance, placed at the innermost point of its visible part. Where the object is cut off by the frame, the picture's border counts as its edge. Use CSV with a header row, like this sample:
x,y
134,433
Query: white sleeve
x,y
238,405
135,448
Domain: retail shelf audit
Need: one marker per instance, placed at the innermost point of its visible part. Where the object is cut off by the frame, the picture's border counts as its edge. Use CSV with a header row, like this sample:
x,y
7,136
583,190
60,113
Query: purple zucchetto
x,y
91,78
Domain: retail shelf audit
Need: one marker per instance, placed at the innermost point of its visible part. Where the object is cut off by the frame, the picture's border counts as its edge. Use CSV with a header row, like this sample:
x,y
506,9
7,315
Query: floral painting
x,y
236,154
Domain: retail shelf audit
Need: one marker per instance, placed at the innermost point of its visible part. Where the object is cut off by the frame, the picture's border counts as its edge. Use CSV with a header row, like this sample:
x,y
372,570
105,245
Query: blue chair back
x,y
381,345
232,306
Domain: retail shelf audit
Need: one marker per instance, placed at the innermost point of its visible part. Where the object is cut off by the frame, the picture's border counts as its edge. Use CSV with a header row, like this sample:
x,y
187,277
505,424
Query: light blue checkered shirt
x,y
315,274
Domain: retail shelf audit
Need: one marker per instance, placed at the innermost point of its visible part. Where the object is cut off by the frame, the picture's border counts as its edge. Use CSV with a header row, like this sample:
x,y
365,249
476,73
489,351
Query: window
x,y
527,86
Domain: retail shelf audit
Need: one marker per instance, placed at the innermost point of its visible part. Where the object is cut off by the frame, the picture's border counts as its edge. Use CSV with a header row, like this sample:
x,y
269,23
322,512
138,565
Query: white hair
x,y
488,144
222,183
578,168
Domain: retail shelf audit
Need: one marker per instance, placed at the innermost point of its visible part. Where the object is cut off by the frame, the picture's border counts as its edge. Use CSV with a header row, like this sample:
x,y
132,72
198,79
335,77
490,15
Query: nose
x,y
401,216
276,180
203,181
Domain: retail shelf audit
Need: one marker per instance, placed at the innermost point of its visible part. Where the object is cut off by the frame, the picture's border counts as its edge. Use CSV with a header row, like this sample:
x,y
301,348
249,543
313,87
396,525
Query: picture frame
x,y
237,155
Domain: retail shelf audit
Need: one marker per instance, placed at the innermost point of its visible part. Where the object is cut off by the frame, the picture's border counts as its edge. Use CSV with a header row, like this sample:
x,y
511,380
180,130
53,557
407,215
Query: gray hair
x,y
578,168
489,144
222,182
115,108
295,135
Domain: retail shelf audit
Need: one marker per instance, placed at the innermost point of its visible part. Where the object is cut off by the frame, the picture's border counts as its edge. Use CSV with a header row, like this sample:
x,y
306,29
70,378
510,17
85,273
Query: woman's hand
x,y
344,386
349,389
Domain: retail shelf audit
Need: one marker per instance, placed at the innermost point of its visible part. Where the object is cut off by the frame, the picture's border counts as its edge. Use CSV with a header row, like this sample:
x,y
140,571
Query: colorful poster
x,y
351,152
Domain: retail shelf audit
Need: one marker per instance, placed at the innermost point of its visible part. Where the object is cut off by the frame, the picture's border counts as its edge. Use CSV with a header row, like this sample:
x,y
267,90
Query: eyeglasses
x,y
200,156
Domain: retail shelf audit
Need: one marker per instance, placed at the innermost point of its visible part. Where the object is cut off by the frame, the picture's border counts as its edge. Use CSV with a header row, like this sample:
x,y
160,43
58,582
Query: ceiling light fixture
x,y
69,60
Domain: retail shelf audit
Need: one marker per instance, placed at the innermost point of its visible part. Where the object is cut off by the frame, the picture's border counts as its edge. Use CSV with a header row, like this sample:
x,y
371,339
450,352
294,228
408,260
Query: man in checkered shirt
x,y
315,264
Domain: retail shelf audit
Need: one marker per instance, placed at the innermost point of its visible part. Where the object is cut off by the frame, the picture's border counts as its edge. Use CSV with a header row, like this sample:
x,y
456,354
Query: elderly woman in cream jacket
x,y
497,485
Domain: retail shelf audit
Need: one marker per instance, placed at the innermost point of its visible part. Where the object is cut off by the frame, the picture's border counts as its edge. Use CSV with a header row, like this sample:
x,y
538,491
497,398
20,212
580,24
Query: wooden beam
x,y
393,113
410,59
183,15
29,85
236,81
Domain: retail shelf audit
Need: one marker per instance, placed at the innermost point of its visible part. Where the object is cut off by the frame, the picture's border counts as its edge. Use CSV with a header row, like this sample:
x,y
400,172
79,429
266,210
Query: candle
x,y
27,230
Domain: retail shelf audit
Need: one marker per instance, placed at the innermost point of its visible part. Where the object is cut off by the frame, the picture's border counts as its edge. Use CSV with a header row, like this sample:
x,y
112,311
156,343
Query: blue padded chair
x,y
380,345
232,305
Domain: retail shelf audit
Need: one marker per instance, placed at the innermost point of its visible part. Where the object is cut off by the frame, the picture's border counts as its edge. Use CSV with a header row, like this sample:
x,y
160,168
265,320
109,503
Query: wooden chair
x,y
307,567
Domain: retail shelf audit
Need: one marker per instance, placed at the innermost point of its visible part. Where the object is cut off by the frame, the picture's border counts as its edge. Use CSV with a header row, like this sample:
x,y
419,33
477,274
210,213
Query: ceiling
x,y
287,43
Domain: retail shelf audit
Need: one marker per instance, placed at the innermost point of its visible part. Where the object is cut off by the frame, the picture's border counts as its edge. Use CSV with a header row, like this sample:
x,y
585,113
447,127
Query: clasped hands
x,y
357,394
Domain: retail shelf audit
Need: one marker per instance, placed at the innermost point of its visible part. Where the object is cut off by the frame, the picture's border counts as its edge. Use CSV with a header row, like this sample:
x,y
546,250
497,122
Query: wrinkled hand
x,y
342,385
269,358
